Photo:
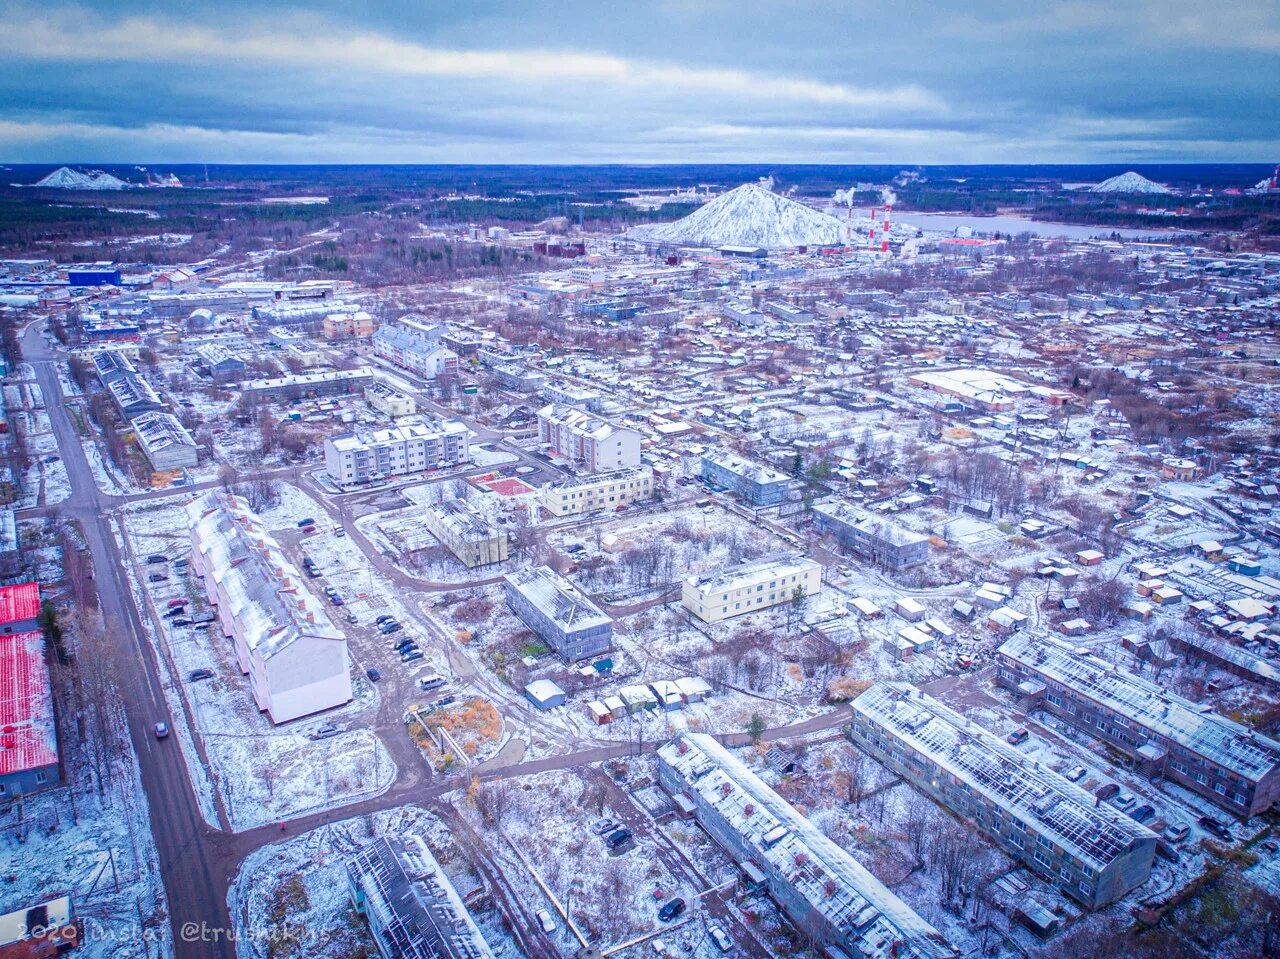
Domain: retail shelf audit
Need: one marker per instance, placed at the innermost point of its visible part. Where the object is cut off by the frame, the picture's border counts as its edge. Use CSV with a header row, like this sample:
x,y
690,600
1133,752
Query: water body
x,y
986,225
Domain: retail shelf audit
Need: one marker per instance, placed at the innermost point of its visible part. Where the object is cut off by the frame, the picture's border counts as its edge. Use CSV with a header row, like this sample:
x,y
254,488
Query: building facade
x,y
750,587
592,443
165,442
385,398
877,538
1170,736
415,345
413,448
295,658
1092,852
566,619
592,494
827,893
29,753
302,385
467,533
751,482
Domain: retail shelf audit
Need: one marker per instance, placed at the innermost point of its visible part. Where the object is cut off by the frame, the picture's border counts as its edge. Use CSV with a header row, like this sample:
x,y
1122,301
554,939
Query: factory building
x,y
395,451
879,539
467,532
592,443
412,908
223,365
823,890
567,620
131,393
1094,853
751,587
751,482
603,491
295,658
1169,736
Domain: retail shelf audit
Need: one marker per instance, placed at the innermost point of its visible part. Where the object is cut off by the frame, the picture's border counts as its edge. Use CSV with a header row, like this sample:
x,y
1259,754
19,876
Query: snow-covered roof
x,y
1020,786
831,882
1248,754
751,574
557,598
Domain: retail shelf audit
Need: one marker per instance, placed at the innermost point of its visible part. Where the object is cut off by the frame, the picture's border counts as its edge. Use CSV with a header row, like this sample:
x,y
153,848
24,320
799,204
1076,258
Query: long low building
x,y
295,658
300,385
550,605
750,587
1170,736
411,906
1093,852
29,748
165,441
604,491
881,540
827,893
395,451
469,534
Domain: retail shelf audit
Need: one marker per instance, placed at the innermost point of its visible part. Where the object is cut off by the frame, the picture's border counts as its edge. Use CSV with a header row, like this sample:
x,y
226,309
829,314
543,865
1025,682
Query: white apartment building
x,y
594,444
295,658
411,448
415,345
604,491
750,587
468,533
385,398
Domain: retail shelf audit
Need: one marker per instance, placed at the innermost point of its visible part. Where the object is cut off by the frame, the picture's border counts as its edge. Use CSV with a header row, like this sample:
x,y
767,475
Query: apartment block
x,y
347,325
295,658
1170,736
603,491
412,448
750,587
592,443
567,620
415,345
827,893
385,398
756,484
467,532
879,539
302,385
1092,852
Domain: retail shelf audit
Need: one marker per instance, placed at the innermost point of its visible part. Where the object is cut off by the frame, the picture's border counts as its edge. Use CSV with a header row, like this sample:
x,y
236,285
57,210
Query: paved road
x,y
189,864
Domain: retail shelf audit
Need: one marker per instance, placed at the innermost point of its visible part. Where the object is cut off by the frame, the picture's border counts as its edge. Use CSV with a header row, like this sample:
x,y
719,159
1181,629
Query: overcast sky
x,y
570,81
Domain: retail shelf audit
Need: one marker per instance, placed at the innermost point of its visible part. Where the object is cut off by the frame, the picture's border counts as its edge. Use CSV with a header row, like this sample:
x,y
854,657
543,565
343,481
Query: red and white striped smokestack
x,y
871,231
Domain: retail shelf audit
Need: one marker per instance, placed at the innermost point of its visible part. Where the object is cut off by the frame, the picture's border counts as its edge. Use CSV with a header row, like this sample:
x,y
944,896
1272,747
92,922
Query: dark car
x,y
672,909
411,656
444,701
1019,735
176,611
158,578
1217,827
373,674
617,837
389,628
198,674
157,558
306,522
1106,791
1144,813
181,622
337,600
384,618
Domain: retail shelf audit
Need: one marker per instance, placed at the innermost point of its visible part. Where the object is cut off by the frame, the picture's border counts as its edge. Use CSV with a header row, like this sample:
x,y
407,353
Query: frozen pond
x,y
950,222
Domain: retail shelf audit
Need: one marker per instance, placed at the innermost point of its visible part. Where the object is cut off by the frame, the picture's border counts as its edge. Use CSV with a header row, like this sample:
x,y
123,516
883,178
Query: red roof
x,y
28,739
19,603
508,487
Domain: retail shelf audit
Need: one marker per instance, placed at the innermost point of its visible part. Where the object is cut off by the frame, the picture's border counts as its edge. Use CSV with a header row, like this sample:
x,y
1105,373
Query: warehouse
x,y
827,893
29,751
567,620
165,441
1170,736
1094,853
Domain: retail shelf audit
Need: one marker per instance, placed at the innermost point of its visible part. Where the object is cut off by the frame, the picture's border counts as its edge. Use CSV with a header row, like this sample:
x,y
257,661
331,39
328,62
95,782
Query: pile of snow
x,y
1129,183
65,178
750,215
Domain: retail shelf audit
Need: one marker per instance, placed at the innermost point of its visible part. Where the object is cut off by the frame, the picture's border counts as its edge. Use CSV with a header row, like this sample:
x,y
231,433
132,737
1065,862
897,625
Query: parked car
x,y
1019,735
198,674
411,656
722,941
428,683
617,837
388,628
329,591
444,701
384,618
605,826
175,603
1075,774
1106,791
176,611
306,522
373,674
659,947
408,648
1176,831
337,600
1217,827
158,578
162,730
545,921
157,558
672,909
1143,814
1125,800
325,732
181,622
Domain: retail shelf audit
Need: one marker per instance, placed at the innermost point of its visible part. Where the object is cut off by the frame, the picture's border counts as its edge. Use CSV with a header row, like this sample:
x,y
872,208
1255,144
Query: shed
x,y
544,694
